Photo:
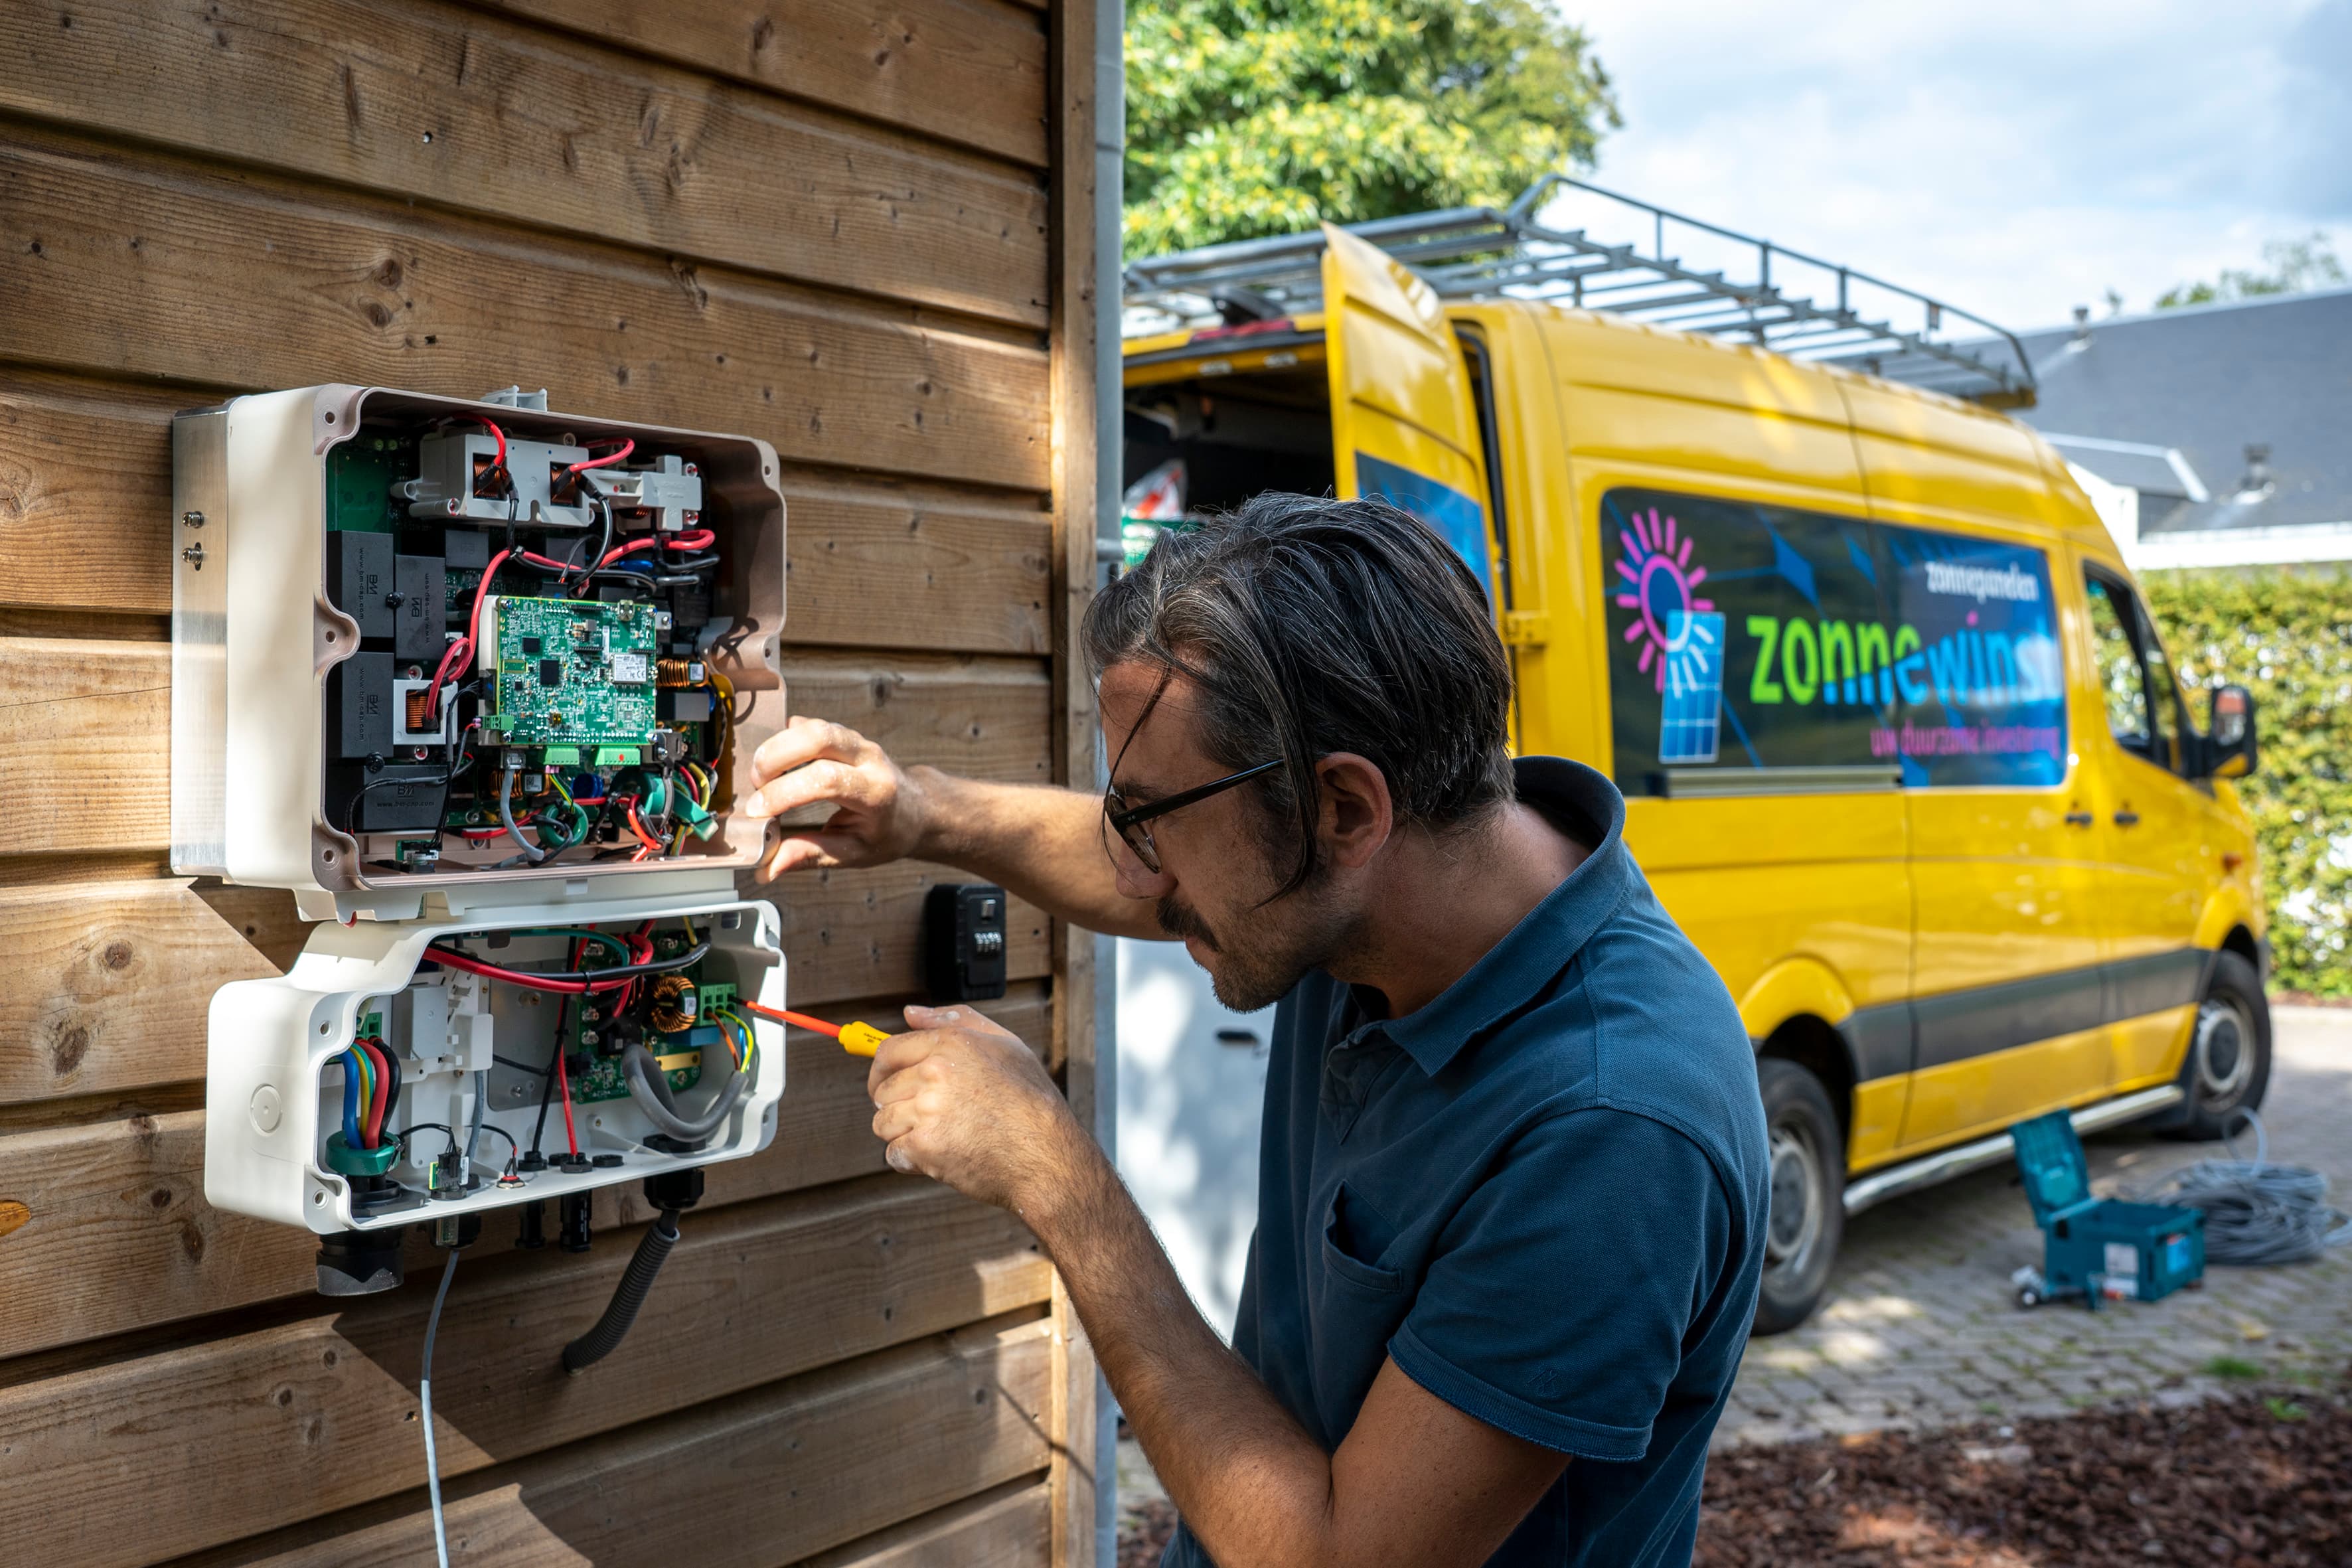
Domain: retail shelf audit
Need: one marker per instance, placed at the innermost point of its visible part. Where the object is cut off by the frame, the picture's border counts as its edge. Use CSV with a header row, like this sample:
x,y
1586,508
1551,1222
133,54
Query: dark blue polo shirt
x,y
1543,1194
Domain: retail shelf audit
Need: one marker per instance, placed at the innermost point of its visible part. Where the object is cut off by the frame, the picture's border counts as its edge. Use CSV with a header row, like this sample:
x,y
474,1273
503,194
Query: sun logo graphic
x,y
1660,584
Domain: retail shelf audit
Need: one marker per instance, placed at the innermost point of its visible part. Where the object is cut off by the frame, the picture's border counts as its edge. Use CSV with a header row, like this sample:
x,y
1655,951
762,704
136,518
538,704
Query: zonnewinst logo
x,y
1982,582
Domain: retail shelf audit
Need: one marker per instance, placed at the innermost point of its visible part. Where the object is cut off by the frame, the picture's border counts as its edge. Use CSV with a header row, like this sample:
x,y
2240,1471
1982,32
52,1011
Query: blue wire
x,y
351,1061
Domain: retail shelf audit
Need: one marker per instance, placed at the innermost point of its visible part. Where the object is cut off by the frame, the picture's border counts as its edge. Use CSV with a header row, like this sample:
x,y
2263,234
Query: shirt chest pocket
x,y
1357,1236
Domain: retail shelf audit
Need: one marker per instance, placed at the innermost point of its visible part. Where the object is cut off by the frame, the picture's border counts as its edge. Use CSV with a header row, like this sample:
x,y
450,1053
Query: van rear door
x,y
1404,426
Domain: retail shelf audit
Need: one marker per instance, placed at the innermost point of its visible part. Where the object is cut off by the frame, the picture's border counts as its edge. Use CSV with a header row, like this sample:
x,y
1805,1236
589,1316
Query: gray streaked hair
x,y
1314,626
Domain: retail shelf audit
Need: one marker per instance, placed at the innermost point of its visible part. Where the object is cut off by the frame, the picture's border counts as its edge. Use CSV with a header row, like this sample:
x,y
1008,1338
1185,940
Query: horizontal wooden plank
x,y
120,1463
111,978
145,265
120,1237
868,568
85,493
753,1481
84,743
965,70
474,112
1006,1527
84,728
85,525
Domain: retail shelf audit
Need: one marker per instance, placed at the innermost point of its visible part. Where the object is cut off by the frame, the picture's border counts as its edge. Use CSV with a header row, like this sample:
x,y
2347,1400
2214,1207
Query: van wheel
x,y
2229,1065
1807,1195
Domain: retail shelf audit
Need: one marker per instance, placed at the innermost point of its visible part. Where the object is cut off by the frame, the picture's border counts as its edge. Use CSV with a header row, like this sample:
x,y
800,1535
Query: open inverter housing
x,y
465,676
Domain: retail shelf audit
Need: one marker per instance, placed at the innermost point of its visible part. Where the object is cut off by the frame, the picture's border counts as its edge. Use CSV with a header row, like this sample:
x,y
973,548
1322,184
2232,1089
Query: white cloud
x,y
2015,158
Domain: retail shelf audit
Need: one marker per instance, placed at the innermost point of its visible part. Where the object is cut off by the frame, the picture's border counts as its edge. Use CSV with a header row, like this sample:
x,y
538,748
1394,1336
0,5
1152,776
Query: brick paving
x,y
1920,1327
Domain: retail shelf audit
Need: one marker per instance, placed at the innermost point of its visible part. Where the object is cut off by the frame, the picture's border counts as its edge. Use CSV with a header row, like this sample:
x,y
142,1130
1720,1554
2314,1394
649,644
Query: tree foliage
x,y
1257,117
2295,266
2286,635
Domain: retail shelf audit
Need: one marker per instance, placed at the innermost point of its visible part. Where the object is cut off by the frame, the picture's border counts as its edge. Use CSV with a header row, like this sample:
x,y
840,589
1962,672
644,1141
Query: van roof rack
x,y
1474,252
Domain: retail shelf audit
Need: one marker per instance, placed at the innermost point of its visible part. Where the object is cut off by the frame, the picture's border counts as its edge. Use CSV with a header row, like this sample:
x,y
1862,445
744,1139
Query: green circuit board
x,y
571,673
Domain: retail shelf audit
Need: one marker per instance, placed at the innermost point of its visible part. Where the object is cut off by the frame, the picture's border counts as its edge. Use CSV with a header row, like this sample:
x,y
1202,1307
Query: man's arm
x,y
1415,1484
1038,843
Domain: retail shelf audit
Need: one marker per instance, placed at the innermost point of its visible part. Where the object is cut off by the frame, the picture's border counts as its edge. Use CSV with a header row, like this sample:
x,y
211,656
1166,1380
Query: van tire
x,y
2227,1067
1808,1169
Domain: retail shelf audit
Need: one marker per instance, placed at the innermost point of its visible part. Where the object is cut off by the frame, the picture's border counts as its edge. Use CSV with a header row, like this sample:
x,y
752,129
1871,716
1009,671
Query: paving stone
x,y
1919,1318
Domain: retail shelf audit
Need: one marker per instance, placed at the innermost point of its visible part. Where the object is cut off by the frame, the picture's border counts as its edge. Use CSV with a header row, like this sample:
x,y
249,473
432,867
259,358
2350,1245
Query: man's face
x,y
1216,870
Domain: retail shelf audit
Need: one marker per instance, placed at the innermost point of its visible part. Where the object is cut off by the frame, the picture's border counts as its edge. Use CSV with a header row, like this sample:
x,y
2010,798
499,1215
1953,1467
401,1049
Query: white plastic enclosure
x,y
273,1091
257,634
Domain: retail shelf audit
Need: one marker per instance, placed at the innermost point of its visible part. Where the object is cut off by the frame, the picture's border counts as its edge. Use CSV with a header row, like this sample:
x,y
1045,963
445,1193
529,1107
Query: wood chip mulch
x,y
2260,1481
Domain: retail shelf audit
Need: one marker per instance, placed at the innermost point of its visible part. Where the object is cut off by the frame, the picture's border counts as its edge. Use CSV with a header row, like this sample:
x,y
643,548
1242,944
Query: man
x,y
1512,1189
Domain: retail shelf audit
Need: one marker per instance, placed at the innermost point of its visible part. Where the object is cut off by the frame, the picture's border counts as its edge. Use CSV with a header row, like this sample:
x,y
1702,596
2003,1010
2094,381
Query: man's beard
x,y
1260,969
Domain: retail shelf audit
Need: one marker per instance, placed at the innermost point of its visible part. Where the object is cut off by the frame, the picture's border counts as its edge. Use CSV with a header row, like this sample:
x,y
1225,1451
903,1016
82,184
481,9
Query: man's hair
x,y
1313,626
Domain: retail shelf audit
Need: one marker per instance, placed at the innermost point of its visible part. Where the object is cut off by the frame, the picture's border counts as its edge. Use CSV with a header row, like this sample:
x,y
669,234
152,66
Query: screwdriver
x,y
857,1038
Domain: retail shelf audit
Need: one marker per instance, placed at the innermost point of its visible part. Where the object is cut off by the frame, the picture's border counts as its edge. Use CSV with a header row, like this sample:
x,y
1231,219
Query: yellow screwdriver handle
x,y
860,1039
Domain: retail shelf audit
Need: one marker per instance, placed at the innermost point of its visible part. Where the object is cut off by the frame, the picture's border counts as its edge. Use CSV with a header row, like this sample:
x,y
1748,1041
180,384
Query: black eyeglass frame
x,y
1128,821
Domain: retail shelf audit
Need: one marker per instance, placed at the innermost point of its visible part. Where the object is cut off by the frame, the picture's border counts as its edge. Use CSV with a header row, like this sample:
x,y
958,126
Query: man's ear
x,y
1358,813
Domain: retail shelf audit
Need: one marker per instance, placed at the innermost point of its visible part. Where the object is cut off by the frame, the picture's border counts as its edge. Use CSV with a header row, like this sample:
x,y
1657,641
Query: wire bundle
x,y
370,1084
2256,1214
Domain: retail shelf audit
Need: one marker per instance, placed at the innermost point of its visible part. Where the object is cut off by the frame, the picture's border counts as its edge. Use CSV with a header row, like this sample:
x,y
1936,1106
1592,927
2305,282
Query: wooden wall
x,y
844,225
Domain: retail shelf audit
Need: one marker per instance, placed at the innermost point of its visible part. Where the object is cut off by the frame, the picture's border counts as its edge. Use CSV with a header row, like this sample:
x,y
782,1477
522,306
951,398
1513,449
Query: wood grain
x,y
84,728
473,112
750,1481
121,265
786,1285
119,1236
111,978
963,70
85,510
1005,1527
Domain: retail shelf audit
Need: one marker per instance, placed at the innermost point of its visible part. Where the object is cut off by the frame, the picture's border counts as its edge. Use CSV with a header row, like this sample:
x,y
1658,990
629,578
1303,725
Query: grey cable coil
x,y
2256,1214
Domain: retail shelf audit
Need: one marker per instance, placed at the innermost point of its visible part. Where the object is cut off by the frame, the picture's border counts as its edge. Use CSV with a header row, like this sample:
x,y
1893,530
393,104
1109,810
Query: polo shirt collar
x,y
1536,950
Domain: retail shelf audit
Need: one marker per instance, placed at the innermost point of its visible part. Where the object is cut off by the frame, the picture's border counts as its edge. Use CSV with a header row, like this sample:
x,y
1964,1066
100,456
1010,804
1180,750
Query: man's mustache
x,y
1179,920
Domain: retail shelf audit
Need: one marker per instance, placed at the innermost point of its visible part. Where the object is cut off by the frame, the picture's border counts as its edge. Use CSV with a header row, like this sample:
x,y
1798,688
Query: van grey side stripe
x,y
1953,1025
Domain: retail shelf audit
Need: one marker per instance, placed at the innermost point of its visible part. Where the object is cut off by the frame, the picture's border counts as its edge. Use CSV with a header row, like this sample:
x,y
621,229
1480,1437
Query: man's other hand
x,y
960,1100
878,809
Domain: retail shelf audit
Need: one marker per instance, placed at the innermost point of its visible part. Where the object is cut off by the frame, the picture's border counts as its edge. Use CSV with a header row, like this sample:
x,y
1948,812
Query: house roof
x,y
2209,381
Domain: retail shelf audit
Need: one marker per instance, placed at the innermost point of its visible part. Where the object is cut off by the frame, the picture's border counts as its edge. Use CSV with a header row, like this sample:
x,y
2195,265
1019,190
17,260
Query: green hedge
x,y
2286,635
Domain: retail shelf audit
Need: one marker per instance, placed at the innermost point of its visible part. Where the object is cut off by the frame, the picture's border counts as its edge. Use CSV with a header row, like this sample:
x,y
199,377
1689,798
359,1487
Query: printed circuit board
x,y
568,673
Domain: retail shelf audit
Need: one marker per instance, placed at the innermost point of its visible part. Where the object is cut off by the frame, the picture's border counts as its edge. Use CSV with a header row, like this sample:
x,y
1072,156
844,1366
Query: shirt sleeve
x,y
1561,1294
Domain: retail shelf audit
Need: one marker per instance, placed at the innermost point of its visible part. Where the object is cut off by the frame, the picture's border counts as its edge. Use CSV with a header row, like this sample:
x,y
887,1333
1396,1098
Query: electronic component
x,y
431,1074
964,942
543,631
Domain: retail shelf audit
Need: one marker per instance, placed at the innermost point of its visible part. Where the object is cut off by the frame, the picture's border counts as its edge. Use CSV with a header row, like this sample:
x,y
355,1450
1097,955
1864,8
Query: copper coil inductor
x,y
674,1004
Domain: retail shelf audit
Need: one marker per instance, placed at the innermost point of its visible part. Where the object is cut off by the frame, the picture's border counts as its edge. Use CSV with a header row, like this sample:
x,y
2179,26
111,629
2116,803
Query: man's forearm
x,y
1037,842
1249,1480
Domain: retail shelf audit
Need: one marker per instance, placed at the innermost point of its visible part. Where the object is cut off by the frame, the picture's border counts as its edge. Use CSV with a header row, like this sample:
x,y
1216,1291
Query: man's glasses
x,y
1128,821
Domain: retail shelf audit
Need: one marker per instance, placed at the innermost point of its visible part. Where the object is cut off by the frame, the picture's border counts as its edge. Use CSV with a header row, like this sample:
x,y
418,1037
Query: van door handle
x,y
2126,819
2080,819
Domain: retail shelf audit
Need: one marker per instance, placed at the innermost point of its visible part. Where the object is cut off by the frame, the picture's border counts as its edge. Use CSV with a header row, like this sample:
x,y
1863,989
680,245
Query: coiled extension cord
x,y
2256,1214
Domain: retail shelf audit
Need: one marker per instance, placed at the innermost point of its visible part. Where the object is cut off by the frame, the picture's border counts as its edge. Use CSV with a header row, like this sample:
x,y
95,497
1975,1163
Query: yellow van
x,y
1901,749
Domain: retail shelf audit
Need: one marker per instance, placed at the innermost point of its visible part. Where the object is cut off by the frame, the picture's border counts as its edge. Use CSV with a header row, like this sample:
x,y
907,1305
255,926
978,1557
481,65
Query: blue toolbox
x,y
2095,1247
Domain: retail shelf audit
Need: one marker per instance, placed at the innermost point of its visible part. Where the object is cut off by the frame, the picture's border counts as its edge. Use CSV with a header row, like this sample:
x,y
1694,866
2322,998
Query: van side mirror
x,y
2230,733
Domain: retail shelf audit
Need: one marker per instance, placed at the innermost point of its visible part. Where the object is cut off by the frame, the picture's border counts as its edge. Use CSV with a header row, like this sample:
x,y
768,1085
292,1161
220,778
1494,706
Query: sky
x,y
2014,157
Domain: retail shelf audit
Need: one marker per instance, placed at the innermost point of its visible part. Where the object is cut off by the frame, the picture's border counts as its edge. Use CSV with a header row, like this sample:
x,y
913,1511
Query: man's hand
x,y
879,810
960,1100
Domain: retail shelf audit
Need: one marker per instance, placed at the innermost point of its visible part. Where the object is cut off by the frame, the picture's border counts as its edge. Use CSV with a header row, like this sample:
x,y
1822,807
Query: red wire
x,y
459,651
606,461
803,1020
371,1130
502,444
563,1087
701,537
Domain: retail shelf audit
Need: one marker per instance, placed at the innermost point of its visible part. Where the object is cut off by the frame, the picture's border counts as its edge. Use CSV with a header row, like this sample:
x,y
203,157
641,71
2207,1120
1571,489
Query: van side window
x,y
1755,647
2143,701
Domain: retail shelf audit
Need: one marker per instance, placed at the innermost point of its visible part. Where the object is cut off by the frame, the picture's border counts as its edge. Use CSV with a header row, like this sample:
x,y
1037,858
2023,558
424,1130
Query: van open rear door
x,y
1403,424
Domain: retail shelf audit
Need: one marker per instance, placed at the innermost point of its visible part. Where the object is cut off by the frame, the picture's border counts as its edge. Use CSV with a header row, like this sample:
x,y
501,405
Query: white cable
x,y
425,1398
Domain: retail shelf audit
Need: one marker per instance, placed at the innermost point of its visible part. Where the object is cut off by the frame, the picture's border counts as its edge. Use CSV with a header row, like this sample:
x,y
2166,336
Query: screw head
x,y
393,601
192,518
194,556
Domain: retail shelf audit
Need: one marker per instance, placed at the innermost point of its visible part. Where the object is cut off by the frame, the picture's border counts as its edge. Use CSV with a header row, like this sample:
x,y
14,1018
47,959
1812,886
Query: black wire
x,y
514,1150
619,971
400,1137
518,1066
